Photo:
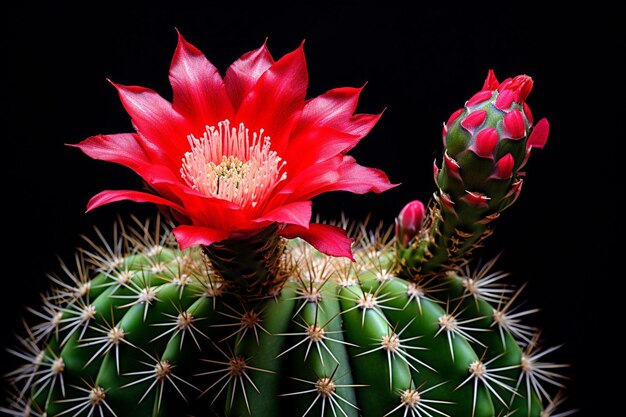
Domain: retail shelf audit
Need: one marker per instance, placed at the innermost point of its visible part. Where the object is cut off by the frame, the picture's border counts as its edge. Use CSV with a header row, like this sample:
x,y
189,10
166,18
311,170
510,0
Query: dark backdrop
x,y
419,64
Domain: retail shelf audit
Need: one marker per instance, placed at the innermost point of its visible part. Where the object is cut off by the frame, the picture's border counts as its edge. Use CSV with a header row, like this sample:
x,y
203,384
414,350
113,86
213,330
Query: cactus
x,y
232,303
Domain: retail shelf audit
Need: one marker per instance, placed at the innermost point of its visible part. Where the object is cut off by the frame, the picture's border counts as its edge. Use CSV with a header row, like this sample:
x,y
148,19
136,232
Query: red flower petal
x,y
243,74
514,124
358,179
474,120
485,143
491,83
327,239
275,102
539,135
214,212
112,196
128,149
124,148
316,145
297,213
199,91
341,173
188,236
162,127
335,109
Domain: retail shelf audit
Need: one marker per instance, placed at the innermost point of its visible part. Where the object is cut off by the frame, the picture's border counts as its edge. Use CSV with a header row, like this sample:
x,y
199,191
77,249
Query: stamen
x,y
225,163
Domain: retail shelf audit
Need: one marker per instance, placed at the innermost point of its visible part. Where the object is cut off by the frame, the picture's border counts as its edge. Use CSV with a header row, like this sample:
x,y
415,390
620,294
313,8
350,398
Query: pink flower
x,y
233,155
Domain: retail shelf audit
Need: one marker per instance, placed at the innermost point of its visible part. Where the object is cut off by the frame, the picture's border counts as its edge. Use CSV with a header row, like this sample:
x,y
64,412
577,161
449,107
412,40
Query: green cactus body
x,y
154,331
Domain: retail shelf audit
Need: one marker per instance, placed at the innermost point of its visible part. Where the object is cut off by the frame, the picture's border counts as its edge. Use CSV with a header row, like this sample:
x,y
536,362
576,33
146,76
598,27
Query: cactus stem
x,y
95,399
412,399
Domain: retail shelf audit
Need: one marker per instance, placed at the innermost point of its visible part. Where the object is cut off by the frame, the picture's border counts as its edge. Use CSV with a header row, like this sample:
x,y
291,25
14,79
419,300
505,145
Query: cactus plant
x,y
230,302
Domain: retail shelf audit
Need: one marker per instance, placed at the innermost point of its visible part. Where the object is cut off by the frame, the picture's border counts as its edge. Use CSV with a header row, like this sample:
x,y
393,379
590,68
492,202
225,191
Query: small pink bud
x,y
436,172
486,141
514,124
491,83
478,98
474,120
539,135
504,166
409,222
504,100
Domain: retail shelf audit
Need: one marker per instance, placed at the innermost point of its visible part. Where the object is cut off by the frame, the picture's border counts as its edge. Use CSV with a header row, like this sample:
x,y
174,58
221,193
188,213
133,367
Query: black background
x,y
420,64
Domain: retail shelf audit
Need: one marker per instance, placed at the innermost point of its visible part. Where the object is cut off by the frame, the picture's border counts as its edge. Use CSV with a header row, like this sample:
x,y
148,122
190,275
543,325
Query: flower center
x,y
226,163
